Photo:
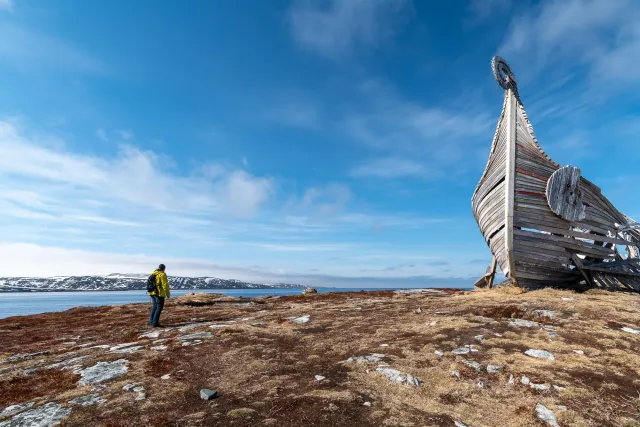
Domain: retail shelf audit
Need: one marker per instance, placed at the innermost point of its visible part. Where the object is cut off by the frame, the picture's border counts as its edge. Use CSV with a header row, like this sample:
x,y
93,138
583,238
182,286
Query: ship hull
x,y
532,244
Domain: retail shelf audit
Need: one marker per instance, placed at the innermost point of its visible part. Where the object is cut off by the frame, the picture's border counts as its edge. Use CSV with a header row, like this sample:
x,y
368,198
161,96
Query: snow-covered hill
x,y
123,282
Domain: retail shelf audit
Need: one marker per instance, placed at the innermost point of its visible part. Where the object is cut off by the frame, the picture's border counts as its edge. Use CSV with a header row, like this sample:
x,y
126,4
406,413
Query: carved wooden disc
x,y
564,194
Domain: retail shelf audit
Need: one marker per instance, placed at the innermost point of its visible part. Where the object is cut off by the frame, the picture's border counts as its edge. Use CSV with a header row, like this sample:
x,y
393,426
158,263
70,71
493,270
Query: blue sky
x,y
312,141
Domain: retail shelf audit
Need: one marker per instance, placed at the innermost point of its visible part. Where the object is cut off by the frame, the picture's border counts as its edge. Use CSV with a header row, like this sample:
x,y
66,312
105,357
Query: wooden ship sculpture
x,y
545,224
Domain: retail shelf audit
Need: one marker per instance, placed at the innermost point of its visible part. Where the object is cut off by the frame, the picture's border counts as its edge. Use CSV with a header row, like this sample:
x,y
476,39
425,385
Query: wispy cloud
x,y
556,35
434,137
125,134
389,168
36,51
44,180
321,201
100,133
335,28
482,10
6,5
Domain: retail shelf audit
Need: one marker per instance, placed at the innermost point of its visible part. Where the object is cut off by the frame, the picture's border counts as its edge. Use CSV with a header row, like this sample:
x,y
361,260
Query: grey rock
x,y
89,399
494,369
438,353
98,387
630,330
138,389
525,380
469,348
456,374
141,396
562,408
220,326
399,377
165,377
197,336
578,352
320,378
522,323
511,379
558,388
18,357
546,415
191,343
66,363
479,338
364,359
206,394
543,314
540,354
302,319
459,424
128,387
124,345
47,415
127,350
368,404
102,371
159,348
15,409
482,383
540,387
189,327
150,335
472,364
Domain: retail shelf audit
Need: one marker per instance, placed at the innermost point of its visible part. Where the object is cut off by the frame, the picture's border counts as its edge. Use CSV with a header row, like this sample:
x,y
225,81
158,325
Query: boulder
x,y
15,409
89,399
399,377
494,369
540,354
102,371
546,415
47,415
309,291
206,394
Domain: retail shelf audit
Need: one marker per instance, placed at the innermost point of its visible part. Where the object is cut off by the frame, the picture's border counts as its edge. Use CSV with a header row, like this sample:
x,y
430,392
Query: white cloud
x,y
558,35
125,134
390,167
100,133
434,136
133,179
325,201
30,260
24,47
481,10
336,27
245,193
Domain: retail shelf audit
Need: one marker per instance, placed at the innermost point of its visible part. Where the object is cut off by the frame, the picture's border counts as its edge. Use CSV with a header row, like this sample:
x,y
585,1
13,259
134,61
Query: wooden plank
x,y
566,232
494,264
510,183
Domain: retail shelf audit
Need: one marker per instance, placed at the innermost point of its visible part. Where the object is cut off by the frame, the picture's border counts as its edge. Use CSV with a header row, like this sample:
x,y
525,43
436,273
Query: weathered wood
x,y
564,194
492,276
510,184
538,218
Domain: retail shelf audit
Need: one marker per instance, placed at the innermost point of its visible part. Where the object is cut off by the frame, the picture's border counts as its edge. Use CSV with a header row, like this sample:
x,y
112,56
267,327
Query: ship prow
x,y
545,224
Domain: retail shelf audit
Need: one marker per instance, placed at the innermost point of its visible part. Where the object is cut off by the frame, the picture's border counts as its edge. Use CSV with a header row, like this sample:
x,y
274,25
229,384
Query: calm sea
x,y
23,303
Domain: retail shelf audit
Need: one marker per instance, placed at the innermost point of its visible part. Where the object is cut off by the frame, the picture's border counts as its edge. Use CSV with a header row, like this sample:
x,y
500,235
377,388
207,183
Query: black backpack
x,y
151,283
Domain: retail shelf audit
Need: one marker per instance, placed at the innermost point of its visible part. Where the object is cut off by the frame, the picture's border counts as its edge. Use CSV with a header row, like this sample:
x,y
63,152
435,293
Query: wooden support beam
x,y
492,273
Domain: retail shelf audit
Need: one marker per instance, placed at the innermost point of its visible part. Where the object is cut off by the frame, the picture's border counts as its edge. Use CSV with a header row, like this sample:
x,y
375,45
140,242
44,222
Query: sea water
x,y
24,303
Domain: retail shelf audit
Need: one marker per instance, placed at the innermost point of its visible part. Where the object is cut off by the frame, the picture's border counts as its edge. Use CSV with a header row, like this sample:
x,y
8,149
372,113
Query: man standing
x,y
158,295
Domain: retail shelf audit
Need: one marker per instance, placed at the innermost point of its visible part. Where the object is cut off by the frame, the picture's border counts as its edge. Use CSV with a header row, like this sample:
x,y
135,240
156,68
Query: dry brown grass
x,y
270,368
24,388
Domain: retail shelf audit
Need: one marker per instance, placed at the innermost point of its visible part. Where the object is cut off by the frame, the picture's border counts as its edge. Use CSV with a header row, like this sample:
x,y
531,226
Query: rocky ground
x,y
481,358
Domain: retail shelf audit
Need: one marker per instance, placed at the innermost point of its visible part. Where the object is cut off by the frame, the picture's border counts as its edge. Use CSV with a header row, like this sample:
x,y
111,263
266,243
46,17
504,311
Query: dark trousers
x,y
157,304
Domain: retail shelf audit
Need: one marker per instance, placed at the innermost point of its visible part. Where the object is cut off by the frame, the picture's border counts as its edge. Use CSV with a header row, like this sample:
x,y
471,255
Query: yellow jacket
x,y
162,284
